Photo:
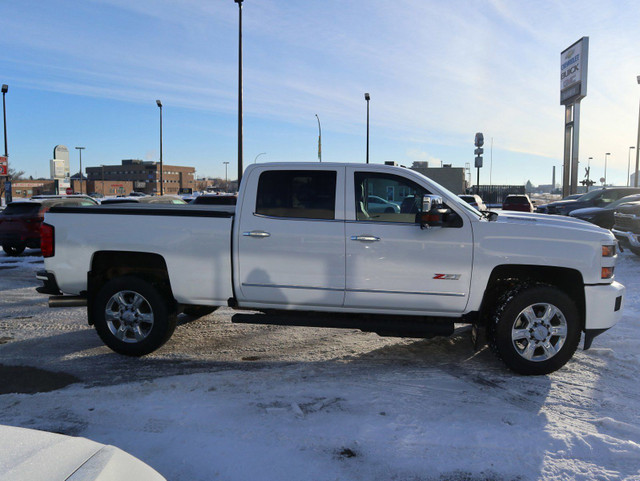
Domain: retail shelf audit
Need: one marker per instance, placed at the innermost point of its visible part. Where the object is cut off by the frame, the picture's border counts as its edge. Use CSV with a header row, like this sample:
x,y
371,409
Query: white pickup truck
x,y
374,247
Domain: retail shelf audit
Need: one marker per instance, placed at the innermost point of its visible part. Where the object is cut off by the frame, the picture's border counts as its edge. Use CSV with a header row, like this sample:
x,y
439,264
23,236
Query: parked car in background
x,y
147,199
474,201
603,216
518,202
596,198
20,221
378,205
626,226
137,194
573,196
215,199
64,196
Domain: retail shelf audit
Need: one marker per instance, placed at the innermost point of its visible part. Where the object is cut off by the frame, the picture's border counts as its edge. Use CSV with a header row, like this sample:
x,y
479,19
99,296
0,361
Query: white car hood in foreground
x,y
546,220
30,455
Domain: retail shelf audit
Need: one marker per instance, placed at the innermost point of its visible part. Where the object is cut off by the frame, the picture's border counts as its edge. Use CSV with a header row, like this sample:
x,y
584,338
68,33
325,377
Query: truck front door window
x,y
386,198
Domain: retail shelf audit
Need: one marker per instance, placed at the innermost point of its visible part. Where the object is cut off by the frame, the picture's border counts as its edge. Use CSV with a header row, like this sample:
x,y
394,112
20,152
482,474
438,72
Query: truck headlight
x,y
607,273
608,251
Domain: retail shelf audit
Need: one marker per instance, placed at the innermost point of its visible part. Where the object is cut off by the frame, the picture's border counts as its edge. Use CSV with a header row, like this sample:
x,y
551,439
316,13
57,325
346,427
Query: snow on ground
x,y
381,410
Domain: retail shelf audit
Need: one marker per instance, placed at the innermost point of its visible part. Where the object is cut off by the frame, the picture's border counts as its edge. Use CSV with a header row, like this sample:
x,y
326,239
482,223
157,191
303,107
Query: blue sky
x,y
87,73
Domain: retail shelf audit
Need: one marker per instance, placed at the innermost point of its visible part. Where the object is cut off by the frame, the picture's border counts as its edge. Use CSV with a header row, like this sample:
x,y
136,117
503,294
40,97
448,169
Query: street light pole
x,y
635,182
319,140
80,149
5,89
159,104
261,153
226,182
367,97
102,179
629,166
605,167
240,154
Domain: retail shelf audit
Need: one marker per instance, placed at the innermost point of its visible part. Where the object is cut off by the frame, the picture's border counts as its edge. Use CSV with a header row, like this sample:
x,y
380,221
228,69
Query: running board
x,y
67,301
383,325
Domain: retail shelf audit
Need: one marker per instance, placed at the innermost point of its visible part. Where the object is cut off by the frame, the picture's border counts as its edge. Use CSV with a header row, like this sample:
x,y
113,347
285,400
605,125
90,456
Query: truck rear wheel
x,y
535,329
132,317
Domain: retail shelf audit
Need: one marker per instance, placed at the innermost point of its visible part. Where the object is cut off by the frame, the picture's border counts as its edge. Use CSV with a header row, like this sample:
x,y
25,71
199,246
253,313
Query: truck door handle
x,y
256,233
365,238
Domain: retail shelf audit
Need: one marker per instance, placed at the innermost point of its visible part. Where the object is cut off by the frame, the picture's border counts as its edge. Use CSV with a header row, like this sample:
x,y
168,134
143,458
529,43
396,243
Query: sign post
x,y
479,142
573,88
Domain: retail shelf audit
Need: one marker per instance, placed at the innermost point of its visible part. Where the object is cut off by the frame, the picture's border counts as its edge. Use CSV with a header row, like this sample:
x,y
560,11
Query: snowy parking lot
x,y
241,402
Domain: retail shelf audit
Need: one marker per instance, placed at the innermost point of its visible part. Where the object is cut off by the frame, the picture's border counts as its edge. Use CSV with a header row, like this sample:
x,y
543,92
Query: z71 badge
x,y
447,277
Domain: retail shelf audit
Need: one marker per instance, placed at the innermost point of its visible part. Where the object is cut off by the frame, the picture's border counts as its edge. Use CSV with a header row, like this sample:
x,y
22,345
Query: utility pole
x,y
80,149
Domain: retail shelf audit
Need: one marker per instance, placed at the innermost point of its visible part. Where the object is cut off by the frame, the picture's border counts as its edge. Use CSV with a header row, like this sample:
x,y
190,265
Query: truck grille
x,y
627,222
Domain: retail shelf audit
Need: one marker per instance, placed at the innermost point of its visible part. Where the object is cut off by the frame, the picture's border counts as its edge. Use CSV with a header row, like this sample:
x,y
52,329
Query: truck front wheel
x,y
535,329
131,316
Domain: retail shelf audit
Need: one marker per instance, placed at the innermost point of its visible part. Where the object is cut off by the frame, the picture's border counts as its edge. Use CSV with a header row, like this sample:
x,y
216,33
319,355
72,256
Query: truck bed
x,y
195,242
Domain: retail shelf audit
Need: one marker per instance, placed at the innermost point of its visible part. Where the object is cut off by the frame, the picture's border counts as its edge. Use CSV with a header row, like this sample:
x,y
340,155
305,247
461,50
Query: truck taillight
x,y
47,242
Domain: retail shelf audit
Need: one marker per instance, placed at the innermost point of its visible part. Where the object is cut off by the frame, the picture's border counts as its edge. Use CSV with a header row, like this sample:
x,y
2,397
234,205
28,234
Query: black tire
x,y
635,250
13,249
132,317
535,329
198,311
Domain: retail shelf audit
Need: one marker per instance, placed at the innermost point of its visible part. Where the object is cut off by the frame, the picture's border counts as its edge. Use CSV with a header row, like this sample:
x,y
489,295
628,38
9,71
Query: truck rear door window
x,y
306,194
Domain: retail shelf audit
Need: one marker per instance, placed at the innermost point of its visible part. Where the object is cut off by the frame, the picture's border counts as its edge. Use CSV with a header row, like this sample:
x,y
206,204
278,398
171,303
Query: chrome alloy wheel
x,y
539,332
129,316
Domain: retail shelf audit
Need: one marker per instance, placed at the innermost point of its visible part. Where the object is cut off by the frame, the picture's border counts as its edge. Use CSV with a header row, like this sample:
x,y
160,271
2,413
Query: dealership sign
x,y
573,72
4,166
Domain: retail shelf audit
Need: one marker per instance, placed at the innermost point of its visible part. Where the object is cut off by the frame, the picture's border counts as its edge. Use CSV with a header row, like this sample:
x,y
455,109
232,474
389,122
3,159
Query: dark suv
x,y
595,198
20,222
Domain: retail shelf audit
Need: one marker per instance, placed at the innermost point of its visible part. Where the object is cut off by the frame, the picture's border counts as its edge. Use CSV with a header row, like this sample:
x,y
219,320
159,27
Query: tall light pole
x,y
319,140
605,167
629,166
240,156
7,194
635,182
5,89
102,179
261,153
367,97
159,104
80,149
226,182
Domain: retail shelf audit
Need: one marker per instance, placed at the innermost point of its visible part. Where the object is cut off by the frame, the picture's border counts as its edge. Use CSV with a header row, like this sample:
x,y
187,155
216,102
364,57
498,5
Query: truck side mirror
x,y
431,214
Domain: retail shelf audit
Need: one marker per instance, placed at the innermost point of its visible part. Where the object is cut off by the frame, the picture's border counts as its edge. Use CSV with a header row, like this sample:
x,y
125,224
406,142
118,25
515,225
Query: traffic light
x,y
479,142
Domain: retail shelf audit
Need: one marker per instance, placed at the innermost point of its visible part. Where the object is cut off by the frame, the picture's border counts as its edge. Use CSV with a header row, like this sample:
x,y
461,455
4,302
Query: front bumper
x,y
603,305
627,238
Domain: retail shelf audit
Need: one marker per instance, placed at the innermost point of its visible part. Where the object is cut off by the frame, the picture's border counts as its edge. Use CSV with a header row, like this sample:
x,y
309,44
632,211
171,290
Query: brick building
x,y
22,189
143,176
